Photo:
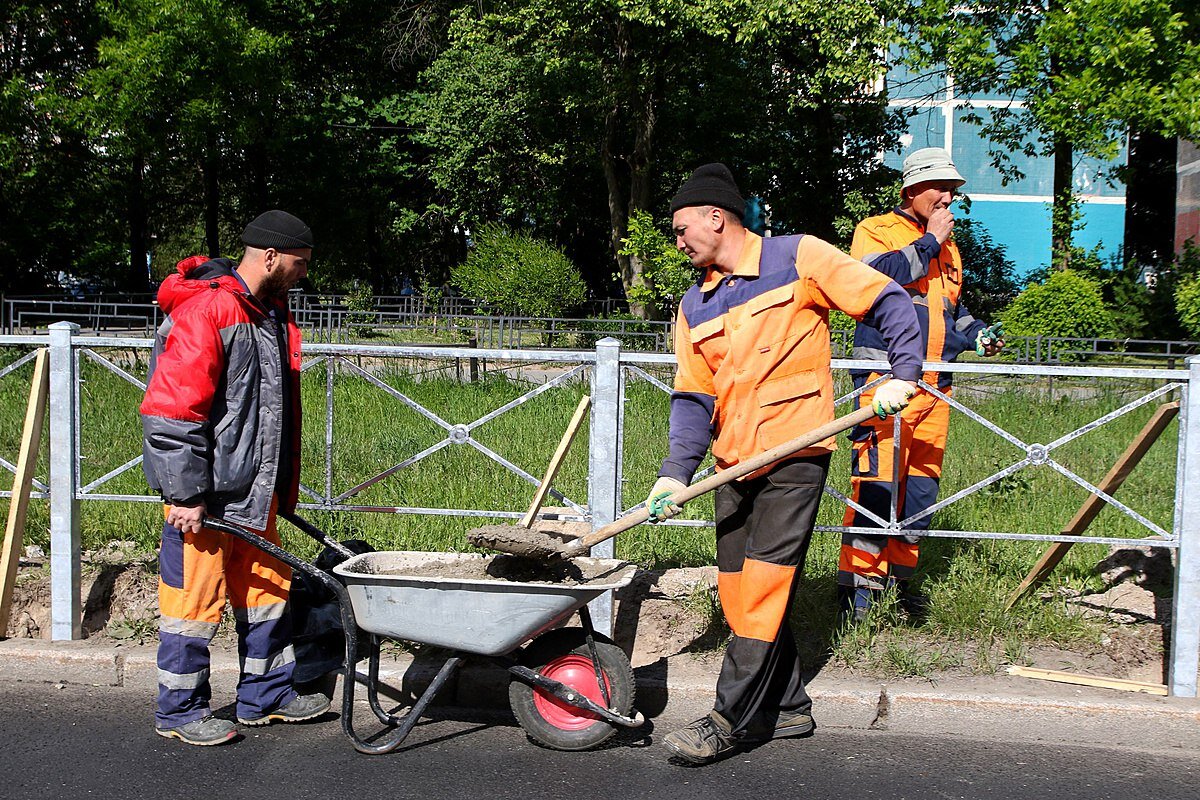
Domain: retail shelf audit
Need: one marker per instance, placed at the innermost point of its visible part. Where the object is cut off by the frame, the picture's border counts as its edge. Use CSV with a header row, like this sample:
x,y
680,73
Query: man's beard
x,y
275,286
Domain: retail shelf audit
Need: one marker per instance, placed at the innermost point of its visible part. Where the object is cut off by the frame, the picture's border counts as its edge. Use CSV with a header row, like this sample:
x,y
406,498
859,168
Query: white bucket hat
x,y
929,164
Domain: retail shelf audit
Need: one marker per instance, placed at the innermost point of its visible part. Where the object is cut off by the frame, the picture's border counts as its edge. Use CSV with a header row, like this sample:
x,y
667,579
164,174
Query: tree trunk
x,y
825,139
1064,213
1150,199
212,195
137,279
635,168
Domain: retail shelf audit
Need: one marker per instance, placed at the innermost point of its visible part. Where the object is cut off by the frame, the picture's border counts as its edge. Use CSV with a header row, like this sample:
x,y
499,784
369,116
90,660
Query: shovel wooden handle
x,y
766,458
556,460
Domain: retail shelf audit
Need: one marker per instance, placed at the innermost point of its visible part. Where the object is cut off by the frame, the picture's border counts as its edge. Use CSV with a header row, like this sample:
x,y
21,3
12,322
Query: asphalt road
x,y
68,742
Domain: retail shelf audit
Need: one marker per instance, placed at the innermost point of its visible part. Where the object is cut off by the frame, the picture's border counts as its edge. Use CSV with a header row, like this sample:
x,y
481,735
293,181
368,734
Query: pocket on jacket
x,y
789,387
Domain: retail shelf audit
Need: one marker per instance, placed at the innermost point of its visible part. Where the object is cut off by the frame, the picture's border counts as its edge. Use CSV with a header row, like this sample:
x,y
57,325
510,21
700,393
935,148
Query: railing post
x,y
66,612
604,460
1185,616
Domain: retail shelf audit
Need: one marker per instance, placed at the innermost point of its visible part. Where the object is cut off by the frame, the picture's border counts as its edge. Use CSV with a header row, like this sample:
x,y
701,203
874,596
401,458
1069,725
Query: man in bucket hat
x,y
911,244
752,344
221,437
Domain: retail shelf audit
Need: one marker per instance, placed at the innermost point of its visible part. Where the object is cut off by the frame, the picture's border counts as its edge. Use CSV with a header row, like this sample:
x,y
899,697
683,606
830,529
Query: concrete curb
x,y
999,708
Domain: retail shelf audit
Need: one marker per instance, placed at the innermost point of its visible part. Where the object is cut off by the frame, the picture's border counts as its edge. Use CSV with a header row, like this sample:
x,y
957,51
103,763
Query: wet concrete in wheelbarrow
x,y
500,568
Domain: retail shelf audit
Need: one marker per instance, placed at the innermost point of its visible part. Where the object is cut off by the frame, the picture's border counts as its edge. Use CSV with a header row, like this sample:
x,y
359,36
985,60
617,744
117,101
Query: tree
x,y
1086,71
56,217
988,274
533,104
666,272
186,81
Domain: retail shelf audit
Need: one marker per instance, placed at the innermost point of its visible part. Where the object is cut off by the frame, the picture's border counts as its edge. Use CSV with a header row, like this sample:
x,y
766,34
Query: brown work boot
x,y
703,741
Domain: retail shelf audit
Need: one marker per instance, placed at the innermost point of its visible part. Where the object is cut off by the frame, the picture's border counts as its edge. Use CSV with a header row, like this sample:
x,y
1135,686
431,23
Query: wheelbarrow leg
x,y
585,616
401,726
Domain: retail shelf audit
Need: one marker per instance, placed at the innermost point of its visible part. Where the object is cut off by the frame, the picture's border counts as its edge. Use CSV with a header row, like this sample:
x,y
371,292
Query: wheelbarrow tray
x,y
484,617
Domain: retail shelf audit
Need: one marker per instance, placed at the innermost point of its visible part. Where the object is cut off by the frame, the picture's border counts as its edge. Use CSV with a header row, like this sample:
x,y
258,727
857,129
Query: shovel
x,y
537,544
488,532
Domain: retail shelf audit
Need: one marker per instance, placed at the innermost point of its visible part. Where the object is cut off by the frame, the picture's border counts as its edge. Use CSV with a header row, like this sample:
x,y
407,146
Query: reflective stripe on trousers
x,y
867,560
197,572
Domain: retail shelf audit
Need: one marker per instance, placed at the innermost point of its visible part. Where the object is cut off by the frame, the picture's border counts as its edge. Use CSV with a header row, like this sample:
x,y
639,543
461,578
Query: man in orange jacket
x,y
912,245
752,342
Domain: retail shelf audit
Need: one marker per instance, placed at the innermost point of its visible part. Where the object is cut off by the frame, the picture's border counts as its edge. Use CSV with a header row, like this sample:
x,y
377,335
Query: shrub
x,y
361,302
1187,305
666,271
1067,304
519,275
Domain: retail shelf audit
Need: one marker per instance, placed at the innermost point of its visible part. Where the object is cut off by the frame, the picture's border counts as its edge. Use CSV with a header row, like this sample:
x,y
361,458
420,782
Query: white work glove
x,y
990,341
658,505
892,397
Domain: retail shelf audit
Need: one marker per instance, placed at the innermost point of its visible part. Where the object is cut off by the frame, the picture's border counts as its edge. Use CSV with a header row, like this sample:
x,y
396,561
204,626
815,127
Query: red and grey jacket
x,y
221,416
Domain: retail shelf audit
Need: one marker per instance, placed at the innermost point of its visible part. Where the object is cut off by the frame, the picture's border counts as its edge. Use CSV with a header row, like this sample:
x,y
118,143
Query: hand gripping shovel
x,y
535,544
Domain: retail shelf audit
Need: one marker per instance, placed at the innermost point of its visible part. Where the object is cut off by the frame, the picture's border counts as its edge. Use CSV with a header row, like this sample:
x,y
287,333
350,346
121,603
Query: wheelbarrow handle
x,y
319,535
765,459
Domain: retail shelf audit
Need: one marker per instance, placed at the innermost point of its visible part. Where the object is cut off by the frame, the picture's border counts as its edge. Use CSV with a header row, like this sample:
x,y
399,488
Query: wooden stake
x,y
556,460
1088,680
1093,504
18,506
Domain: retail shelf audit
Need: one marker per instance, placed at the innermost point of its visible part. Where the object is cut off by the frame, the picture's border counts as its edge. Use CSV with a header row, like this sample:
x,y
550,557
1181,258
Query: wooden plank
x,y
556,460
1088,680
1092,506
18,506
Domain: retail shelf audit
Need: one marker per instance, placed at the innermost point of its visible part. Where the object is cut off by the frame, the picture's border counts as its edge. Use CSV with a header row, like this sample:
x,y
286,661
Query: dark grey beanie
x,y
277,229
710,185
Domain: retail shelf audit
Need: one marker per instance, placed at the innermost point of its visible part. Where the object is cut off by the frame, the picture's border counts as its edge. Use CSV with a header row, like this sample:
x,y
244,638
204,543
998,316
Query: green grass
x,y
968,581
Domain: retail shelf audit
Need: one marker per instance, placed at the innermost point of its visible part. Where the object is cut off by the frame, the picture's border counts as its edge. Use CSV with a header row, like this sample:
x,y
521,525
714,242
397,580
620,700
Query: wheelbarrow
x,y
569,688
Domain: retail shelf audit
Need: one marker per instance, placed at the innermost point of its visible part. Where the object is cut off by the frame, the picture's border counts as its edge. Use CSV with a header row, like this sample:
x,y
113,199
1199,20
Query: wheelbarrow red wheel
x,y
563,655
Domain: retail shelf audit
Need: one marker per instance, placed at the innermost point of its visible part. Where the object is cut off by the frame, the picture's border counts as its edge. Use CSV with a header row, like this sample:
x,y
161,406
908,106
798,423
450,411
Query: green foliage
x,y
1187,305
361,302
841,322
1067,304
519,275
989,283
666,273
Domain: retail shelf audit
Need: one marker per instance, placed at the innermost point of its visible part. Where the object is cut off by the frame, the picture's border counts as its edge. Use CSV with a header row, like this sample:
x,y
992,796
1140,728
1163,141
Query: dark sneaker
x,y
793,723
790,723
305,706
703,741
854,604
915,605
202,732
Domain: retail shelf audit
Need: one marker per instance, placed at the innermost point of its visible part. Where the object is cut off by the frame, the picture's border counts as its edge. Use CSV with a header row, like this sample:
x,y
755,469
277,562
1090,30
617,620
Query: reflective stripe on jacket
x,y
898,246
214,423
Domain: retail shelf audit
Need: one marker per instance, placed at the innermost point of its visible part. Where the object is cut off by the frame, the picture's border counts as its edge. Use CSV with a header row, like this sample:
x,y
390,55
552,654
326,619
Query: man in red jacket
x,y
221,437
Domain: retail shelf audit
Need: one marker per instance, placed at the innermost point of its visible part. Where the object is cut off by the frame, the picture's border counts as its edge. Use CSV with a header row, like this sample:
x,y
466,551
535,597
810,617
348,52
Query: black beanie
x,y
710,185
277,229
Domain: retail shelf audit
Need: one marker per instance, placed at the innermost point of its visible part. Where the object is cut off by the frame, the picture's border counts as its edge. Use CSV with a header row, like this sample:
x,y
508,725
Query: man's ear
x,y
270,255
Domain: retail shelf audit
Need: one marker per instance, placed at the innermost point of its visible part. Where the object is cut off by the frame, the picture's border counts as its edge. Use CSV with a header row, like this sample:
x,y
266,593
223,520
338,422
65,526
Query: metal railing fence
x,y
610,370
329,318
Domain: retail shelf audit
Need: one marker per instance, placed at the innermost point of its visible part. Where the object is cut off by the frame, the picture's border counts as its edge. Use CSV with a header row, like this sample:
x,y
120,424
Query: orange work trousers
x,y
873,561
